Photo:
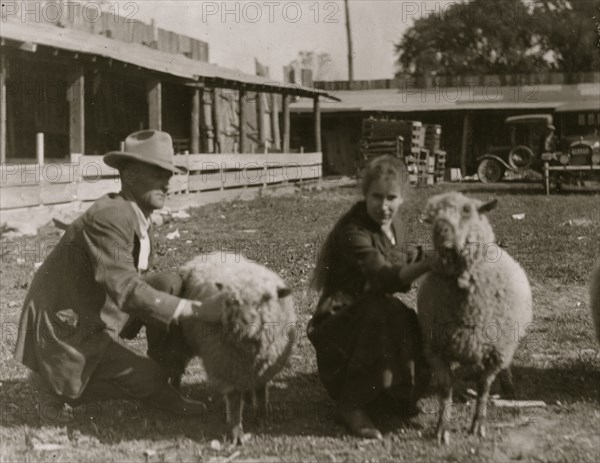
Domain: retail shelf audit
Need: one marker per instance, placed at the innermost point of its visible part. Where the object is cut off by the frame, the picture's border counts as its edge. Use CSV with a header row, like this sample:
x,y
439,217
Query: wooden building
x,y
71,94
472,115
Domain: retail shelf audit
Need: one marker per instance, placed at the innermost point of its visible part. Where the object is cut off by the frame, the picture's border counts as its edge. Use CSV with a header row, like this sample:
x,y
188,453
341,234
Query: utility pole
x,y
349,36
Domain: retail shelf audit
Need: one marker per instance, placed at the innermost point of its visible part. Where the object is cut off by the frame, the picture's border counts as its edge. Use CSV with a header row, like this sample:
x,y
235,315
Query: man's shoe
x,y
359,423
172,401
51,407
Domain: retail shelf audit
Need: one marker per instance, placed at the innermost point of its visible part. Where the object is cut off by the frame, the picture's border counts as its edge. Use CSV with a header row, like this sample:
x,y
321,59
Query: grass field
x,y
559,362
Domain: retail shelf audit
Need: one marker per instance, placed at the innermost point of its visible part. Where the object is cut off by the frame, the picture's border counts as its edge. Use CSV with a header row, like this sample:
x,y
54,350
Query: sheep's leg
x,y
249,397
506,383
444,380
261,393
234,407
483,392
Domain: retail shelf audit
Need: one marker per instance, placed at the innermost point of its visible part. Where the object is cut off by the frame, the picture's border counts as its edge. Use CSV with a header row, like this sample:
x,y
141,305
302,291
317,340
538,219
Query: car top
x,y
529,118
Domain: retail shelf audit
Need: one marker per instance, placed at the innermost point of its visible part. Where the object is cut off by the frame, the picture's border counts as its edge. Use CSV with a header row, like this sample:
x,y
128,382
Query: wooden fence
x,y
86,178
404,81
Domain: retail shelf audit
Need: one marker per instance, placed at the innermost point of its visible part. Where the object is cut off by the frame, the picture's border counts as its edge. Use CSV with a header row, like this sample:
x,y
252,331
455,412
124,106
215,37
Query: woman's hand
x,y
410,272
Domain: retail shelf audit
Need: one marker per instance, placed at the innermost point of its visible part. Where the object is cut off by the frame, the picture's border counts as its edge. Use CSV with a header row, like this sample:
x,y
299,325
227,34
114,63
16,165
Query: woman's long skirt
x,y
368,348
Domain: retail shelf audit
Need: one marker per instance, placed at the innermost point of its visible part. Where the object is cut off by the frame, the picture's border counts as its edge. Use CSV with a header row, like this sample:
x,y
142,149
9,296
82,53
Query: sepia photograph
x,y
238,231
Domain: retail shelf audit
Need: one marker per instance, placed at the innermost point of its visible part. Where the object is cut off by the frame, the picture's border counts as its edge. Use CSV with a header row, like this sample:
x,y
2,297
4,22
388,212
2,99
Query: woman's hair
x,y
327,254
385,167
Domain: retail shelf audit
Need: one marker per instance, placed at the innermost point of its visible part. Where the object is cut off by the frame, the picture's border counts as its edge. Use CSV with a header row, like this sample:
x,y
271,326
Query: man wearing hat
x,y
92,285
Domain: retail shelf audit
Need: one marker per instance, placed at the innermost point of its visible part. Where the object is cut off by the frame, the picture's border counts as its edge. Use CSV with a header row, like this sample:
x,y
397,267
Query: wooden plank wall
x,y
86,178
118,21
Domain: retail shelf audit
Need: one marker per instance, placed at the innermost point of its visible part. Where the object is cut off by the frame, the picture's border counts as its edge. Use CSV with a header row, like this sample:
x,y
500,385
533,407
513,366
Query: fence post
x,y
39,148
76,164
187,177
39,153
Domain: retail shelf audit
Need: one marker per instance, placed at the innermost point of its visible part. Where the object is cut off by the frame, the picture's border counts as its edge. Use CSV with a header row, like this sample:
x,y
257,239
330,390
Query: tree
x,y
568,33
478,37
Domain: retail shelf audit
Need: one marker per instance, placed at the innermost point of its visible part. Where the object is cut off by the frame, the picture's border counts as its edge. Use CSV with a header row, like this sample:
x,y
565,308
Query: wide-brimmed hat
x,y
147,146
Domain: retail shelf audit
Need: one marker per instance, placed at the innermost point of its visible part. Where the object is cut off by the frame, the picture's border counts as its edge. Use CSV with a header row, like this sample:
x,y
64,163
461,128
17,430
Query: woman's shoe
x,y
359,423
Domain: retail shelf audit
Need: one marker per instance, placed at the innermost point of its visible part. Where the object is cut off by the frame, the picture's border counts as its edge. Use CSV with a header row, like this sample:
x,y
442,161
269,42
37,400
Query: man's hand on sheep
x,y
209,310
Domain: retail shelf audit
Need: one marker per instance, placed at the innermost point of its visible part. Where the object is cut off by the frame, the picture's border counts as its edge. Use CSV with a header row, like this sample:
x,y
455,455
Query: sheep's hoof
x,y
237,435
478,429
443,436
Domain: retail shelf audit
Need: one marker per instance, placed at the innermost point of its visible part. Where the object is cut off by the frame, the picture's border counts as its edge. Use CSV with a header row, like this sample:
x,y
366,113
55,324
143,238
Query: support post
x,y
195,121
77,111
465,141
286,122
216,117
242,120
207,122
260,118
317,117
39,148
154,92
275,122
3,72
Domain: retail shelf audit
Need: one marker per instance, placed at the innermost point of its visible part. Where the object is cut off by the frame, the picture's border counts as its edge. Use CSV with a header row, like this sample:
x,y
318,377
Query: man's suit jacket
x,y
84,293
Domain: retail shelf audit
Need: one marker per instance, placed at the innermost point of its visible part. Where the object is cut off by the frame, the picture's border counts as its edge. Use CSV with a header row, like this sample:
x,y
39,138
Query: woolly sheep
x,y
255,337
595,298
473,306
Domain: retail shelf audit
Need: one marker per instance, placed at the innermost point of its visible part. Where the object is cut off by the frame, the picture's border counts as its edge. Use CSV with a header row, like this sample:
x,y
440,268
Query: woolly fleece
x,y
257,332
475,308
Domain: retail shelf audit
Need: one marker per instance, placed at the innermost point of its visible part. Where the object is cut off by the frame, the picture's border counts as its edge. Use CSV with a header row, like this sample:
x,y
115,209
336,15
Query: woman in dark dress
x,y
367,341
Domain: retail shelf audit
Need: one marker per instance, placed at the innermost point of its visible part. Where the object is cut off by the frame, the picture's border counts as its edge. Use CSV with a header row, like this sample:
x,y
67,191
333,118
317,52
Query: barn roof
x,y
530,97
145,57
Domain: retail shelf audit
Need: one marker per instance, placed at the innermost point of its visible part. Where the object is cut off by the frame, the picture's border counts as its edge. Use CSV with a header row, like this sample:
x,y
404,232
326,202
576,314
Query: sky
x,y
274,31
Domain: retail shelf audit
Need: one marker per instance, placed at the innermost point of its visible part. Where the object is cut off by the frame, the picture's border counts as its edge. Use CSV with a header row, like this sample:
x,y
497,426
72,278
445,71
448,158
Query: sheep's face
x,y
460,229
247,318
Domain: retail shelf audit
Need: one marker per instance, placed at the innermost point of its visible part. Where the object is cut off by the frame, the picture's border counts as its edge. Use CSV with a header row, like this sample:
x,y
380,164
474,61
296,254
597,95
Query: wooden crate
x,y
440,165
433,135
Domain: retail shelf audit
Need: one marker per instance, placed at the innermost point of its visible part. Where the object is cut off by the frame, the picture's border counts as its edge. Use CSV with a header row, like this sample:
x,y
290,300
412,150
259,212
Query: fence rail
x,y
86,178
404,81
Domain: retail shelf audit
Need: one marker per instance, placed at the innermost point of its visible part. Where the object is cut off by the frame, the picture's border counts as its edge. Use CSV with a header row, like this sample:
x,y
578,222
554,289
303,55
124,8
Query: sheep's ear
x,y
487,207
283,292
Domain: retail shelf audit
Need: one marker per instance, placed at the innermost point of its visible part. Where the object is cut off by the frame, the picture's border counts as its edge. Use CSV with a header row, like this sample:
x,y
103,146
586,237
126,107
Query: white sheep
x,y
595,298
473,306
254,340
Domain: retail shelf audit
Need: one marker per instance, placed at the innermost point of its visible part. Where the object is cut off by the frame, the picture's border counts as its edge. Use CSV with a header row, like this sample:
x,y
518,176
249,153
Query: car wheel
x,y
490,171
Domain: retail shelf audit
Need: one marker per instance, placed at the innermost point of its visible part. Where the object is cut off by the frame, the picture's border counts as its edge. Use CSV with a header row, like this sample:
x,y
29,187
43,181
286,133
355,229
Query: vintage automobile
x,y
524,142
577,161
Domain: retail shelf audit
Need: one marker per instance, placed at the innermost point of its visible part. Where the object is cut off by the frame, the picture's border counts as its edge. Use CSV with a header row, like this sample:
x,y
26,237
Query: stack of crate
x,y
380,137
433,135
440,166
417,160
416,143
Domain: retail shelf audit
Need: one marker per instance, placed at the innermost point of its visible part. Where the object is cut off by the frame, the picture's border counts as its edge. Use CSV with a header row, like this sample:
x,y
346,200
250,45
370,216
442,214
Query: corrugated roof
x,y
530,97
139,55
